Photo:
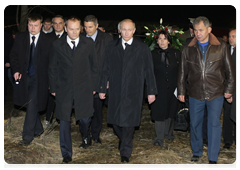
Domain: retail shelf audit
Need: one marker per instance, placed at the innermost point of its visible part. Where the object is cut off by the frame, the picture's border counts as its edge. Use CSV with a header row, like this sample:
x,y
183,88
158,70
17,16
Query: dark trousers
x,y
50,108
125,135
196,110
65,135
229,127
32,124
96,124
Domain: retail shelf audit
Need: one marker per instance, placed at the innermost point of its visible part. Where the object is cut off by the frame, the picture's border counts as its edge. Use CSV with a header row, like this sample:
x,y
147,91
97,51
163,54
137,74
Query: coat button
x,y
167,73
167,87
167,80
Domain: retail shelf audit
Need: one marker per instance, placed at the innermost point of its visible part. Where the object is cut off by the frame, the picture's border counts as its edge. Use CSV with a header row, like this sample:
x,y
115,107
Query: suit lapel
x,y
26,41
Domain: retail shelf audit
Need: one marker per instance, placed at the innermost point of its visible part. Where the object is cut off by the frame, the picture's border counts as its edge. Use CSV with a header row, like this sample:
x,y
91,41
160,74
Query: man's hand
x,y
151,98
102,95
229,100
227,95
17,75
53,94
7,65
181,98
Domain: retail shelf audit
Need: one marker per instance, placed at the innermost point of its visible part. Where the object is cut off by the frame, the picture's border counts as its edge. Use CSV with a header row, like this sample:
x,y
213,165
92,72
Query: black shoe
x,y
66,160
97,140
156,143
195,158
86,142
124,159
227,146
212,164
24,142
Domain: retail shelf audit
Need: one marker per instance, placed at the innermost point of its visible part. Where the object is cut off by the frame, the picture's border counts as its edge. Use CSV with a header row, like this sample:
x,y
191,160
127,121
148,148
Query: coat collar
x,y
213,41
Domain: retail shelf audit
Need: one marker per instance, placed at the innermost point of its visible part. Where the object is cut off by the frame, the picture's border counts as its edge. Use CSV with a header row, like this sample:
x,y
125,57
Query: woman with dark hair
x,y
163,110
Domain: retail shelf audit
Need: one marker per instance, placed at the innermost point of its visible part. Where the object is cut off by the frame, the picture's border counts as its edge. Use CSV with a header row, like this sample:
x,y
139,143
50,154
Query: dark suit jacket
x,y
101,42
233,109
54,34
19,60
126,70
73,76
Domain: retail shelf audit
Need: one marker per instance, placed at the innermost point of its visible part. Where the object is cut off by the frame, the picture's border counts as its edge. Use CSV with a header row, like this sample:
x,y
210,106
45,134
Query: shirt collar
x,y
36,38
129,41
69,41
60,33
93,36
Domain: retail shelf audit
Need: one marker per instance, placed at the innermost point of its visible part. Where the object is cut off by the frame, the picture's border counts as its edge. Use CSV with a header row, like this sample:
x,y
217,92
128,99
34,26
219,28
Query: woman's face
x,y
162,41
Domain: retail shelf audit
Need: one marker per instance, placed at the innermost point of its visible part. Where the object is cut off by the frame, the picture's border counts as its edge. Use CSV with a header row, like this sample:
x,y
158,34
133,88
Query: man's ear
x,y
209,29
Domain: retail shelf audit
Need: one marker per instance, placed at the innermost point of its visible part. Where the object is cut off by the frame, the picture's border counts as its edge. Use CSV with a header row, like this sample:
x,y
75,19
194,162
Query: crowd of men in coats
x,y
56,64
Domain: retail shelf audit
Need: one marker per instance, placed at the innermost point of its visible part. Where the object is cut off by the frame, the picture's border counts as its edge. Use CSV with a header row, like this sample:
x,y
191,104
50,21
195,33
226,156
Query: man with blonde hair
x,y
73,76
29,63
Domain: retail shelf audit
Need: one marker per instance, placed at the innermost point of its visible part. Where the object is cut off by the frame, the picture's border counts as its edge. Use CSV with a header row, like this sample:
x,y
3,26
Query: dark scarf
x,y
164,54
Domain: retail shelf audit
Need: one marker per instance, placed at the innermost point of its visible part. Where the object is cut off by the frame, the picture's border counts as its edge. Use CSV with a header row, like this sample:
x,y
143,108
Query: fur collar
x,y
213,41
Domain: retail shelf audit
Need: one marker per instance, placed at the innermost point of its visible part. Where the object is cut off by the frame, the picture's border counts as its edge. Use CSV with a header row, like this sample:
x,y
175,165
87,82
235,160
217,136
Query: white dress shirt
x,y
69,41
129,42
36,38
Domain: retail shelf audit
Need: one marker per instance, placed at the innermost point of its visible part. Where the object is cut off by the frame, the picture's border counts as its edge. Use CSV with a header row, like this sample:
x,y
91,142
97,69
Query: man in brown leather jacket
x,y
206,63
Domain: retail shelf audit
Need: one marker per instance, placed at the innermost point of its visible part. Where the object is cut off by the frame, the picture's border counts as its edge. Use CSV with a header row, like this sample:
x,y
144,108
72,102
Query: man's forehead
x,y
233,32
57,20
34,22
127,24
89,23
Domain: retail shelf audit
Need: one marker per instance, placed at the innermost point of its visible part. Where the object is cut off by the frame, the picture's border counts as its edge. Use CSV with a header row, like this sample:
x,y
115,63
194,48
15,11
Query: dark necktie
x,y
74,47
126,44
58,35
233,50
31,71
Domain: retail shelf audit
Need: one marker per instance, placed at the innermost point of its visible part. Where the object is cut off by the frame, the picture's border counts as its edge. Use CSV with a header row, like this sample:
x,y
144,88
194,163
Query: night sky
x,y
223,16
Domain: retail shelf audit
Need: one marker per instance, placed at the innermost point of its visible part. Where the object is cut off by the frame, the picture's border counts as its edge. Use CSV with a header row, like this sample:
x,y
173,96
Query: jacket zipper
x,y
215,60
203,67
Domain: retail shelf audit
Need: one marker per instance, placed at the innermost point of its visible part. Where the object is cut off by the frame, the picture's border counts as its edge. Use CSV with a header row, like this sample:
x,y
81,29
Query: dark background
x,y
223,17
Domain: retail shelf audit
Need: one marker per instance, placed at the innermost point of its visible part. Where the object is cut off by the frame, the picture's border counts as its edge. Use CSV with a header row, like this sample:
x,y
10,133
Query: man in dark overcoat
x,y
58,32
127,64
73,77
229,114
29,62
101,39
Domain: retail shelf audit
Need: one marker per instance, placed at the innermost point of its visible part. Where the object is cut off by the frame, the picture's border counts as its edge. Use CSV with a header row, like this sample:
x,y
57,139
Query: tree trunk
x,y
23,19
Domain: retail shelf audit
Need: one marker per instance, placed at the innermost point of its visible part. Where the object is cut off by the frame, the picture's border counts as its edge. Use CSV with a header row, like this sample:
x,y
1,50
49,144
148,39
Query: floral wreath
x,y
151,36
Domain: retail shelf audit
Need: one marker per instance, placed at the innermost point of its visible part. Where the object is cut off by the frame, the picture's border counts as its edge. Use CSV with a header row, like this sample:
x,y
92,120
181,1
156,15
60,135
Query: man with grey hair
x,y
207,65
127,63
58,25
100,39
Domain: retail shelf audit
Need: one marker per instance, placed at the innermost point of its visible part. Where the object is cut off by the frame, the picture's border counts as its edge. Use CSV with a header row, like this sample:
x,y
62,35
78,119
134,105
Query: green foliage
x,y
151,35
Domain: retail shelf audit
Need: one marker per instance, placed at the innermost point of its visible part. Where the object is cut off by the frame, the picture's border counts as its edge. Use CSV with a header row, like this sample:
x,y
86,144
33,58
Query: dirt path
x,y
46,150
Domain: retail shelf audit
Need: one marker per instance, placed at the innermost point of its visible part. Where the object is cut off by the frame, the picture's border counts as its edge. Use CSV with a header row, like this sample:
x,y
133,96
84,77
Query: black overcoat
x,y
166,103
126,70
19,60
234,107
100,42
73,76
